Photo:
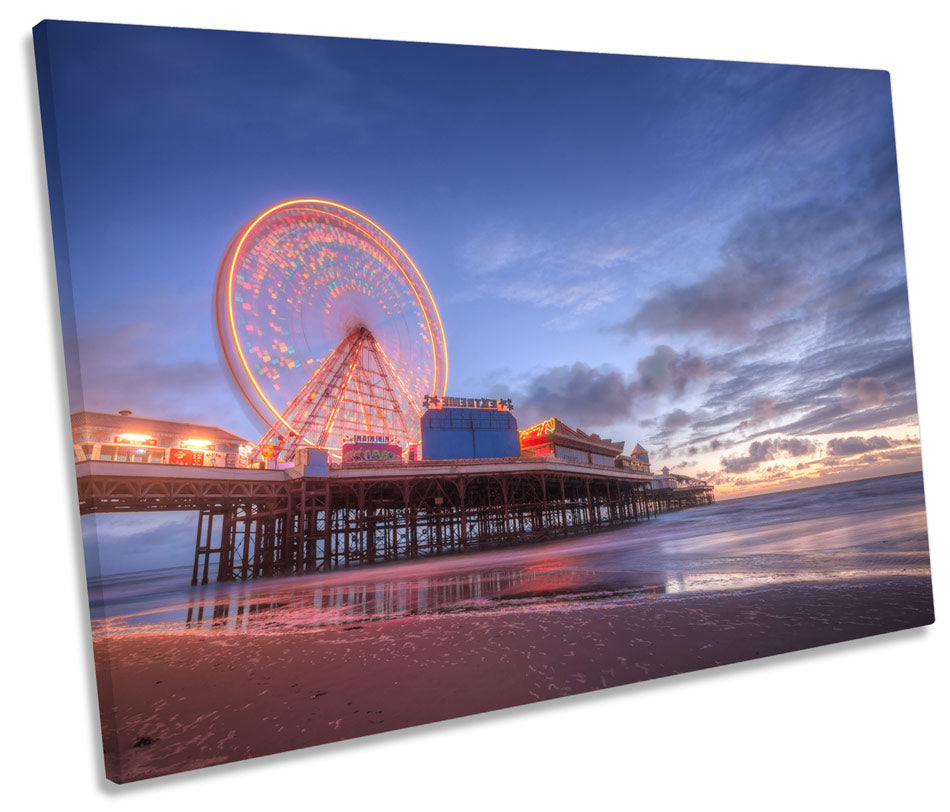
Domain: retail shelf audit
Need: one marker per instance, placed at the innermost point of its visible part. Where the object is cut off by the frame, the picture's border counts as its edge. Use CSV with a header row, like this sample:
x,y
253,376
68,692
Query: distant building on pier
x,y
553,437
124,437
666,479
638,460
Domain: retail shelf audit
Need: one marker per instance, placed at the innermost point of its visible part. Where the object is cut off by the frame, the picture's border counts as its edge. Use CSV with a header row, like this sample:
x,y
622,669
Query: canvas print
x,y
409,381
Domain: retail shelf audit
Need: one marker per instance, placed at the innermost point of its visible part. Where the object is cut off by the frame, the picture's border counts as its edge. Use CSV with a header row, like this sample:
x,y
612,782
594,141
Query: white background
x,y
859,725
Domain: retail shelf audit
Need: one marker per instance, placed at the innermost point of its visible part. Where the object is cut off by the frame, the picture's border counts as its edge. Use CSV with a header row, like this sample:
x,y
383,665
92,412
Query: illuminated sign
x,y
538,433
436,402
369,438
134,439
196,444
179,456
371,452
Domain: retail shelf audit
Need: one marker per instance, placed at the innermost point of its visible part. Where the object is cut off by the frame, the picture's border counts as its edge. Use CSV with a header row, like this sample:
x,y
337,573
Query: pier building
x,y
125,437
667,479
476,428
638,459
676,491
554,438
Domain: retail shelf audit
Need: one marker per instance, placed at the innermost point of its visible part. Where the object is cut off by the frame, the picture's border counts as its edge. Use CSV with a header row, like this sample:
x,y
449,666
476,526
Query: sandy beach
x,y
194,699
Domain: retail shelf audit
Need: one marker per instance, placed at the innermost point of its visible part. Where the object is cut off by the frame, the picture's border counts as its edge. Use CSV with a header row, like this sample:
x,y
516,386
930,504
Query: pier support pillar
x,y
194,572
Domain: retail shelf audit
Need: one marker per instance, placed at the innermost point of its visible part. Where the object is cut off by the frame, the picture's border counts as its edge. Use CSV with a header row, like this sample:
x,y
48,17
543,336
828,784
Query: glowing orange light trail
x,y
398,380
329,426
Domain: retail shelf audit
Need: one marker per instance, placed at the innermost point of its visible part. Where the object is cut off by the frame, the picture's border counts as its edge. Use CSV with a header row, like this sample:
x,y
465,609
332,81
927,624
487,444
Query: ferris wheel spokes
x,y
354,392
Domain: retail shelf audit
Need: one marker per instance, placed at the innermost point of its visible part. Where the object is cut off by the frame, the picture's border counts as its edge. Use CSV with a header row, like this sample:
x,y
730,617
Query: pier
x,y
260,523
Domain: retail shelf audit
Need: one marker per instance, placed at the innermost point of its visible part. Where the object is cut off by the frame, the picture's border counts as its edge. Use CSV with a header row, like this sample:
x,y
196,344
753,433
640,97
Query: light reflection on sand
x,y
736,581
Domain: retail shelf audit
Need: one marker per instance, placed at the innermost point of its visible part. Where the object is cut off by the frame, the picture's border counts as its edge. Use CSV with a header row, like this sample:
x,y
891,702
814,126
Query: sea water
x,y
843,533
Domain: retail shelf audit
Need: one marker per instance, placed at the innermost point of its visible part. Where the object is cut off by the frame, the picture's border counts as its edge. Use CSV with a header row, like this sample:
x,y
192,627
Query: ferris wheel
x,y
328,328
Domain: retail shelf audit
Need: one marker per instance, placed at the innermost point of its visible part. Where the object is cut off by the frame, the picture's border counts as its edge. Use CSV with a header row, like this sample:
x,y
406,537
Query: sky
x,y
703,257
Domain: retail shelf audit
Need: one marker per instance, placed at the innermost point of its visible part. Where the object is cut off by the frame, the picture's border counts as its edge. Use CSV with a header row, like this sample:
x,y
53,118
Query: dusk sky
x,y
704,257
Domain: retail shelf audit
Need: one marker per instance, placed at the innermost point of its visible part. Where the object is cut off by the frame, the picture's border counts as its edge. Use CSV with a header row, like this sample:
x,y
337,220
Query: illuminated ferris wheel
x,y
328,327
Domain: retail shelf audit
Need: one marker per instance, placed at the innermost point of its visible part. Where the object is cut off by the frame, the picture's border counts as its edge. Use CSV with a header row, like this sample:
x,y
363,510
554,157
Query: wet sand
x,y
193,699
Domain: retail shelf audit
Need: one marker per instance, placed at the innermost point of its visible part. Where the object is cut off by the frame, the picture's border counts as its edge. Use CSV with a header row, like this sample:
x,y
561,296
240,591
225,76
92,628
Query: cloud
x,y
854,386
796,446
138,367
762,410
807,302
667,372
599,396
579,394
495,248
861,393
565,273
879,315
574,295
764,450
803,307
846,446
761,275
676,419
511,265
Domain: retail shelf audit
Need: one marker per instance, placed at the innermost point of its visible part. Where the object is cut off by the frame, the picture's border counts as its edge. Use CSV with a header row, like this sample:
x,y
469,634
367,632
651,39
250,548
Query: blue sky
x,y
704,257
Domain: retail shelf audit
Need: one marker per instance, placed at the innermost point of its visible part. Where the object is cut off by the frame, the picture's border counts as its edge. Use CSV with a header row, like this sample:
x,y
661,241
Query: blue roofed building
x,y
479,429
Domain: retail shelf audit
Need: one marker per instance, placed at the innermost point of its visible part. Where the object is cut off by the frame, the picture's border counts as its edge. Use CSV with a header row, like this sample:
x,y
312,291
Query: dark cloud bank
x,y
599,396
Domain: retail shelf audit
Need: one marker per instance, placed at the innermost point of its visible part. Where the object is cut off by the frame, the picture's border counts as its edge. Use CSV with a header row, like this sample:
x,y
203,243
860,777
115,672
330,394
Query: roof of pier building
x,y
557,432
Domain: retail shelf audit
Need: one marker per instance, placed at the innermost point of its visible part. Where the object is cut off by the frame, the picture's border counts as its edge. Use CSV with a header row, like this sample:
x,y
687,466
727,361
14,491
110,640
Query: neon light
x,y
192,443
538,433
362,401
329,426
399,382
135,438
491,404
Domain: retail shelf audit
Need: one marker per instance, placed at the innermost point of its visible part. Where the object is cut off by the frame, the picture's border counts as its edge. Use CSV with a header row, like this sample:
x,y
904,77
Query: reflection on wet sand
x,y
316,606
